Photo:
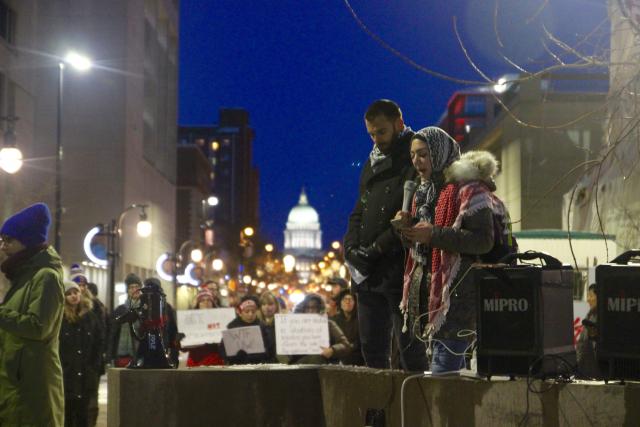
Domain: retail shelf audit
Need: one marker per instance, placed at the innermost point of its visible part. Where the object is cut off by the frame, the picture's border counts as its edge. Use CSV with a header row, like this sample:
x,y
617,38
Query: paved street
x,y
102,401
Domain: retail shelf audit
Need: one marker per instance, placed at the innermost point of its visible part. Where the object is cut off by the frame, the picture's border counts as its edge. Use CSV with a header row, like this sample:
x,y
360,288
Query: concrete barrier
x,y
335,396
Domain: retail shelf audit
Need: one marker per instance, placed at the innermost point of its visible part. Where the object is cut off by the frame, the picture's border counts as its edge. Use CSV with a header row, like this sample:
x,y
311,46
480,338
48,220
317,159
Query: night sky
x,y
306,71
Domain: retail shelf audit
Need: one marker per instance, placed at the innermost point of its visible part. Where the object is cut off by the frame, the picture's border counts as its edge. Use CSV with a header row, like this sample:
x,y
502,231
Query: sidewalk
x,y
102,402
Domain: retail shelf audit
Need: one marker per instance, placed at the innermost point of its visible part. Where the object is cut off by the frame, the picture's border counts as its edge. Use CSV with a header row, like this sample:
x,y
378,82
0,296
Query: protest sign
x,y
301,333
248,339
203,326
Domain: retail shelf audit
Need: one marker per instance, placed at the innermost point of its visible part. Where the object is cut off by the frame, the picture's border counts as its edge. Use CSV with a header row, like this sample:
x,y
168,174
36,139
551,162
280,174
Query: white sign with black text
x,y
301,333
203,326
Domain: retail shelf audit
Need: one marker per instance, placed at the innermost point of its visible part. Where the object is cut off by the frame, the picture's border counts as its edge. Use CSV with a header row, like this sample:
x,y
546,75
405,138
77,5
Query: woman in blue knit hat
x,y
31,391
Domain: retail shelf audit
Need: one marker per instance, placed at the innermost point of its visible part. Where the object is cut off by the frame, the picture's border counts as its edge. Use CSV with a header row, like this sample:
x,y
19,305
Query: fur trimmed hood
x,y
473,166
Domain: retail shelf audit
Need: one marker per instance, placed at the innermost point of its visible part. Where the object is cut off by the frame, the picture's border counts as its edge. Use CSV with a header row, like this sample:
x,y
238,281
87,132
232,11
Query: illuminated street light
x,y
112,231
10,156
335,245
217,264
213,201
289,262
331,254
248,231
196,255
10,159
78,61
268,247
144,227
246,279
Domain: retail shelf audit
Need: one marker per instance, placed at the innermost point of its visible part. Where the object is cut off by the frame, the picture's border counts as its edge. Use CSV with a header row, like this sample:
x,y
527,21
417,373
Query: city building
x,y
605,199
543,128
115,124
303,237
234,180
193,191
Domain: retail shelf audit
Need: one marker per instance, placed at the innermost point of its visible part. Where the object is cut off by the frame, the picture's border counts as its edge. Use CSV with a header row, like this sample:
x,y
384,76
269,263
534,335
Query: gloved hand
x,y
363,257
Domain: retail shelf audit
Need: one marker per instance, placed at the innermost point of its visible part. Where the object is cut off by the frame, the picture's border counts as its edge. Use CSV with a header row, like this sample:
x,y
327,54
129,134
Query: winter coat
x,y
586,351
352,333
80,354
380,197
242,357
204,355
31,388
474,238
115,331
341,346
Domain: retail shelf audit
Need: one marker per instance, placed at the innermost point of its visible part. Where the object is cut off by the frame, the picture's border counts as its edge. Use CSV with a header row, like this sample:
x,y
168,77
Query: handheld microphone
x,y
409,189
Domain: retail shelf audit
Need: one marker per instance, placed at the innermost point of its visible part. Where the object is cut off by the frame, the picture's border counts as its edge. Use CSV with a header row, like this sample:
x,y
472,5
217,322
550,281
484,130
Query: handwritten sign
x,y
203,326
301,333
248,339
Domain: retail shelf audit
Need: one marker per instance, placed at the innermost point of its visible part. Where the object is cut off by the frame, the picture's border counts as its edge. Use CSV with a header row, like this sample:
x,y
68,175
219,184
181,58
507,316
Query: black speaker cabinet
x,y
525,318
618,323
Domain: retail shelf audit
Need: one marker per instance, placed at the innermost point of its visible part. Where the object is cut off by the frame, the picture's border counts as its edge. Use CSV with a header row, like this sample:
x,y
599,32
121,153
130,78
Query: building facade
x,y
118,121
234,180
551,126
303,237
605,199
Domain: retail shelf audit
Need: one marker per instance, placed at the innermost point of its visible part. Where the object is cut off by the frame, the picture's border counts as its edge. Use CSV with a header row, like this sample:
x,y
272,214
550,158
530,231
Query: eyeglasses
x,y
6,240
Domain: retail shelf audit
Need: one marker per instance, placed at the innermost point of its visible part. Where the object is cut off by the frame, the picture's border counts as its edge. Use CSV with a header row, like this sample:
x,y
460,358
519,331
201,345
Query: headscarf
x,y
443,151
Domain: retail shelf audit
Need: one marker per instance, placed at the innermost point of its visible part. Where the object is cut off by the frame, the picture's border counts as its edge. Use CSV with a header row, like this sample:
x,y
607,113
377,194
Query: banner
x,y
203,326
301,333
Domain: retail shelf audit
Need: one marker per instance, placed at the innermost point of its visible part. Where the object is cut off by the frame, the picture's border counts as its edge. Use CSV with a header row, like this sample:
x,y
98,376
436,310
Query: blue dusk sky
x,y
307,70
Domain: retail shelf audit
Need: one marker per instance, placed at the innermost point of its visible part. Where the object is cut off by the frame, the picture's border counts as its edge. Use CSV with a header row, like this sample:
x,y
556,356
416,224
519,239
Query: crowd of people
x,y
410,285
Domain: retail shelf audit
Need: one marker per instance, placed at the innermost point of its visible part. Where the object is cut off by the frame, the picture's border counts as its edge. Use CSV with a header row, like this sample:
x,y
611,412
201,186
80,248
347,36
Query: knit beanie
x,y
131,279
68,285
29,226
204,294
76,274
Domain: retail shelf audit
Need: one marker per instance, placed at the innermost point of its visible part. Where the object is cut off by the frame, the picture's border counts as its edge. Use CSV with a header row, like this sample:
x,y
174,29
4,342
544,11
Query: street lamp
x,y
80,63
289,262
10,156
112,231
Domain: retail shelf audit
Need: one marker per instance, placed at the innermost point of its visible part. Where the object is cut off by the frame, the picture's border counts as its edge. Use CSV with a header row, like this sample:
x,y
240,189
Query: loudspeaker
x,y
618,323
525,318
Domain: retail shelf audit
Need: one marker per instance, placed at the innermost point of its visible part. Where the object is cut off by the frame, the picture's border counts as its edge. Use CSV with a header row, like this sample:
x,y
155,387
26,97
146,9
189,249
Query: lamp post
x,y
80,63
112,231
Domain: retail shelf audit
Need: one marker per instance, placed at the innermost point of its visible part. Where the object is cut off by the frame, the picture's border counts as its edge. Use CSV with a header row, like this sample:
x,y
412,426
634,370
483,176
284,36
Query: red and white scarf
x,y
456,202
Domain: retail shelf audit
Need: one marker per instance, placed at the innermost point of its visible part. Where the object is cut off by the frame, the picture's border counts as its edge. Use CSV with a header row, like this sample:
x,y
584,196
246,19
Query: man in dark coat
x,y
371,246
122,345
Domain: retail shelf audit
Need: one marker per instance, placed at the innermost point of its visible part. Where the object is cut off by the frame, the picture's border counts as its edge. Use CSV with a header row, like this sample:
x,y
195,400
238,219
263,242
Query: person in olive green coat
x,y
31,390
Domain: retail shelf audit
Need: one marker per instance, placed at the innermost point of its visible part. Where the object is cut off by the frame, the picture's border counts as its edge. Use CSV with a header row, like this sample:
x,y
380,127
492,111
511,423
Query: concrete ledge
x,y
335,396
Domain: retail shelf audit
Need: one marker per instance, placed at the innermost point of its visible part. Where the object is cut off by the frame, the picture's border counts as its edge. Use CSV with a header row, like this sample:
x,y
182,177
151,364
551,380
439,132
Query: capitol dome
x,y
303,215
303,237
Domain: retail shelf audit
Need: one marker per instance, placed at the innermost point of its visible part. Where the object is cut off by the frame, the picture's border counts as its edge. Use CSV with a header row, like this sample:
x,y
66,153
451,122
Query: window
x,y
7,22
475,106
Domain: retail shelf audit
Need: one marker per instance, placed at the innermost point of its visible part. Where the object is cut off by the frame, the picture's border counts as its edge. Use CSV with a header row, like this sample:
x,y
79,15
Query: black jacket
x,y
114,333
352,332
81,346
242,357
380,197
